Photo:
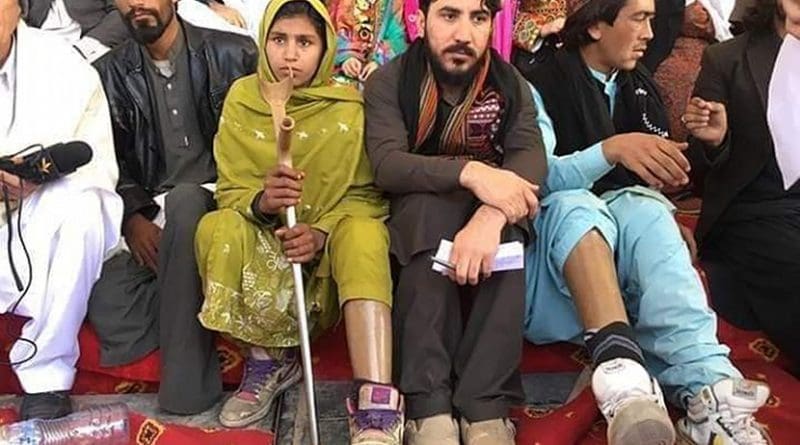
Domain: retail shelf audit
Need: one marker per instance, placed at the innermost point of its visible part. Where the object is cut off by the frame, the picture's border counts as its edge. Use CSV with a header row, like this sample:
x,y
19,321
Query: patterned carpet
x,y
545,421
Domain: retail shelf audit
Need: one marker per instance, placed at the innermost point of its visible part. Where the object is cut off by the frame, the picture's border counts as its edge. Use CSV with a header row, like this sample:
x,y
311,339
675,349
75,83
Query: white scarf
x,y
720,12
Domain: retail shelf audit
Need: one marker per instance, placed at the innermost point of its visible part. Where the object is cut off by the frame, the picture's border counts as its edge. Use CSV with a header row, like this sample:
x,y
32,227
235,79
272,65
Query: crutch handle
x,y
285,141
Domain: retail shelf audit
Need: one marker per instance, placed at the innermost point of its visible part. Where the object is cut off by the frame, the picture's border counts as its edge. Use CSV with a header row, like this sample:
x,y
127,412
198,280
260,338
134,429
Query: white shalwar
x,y
69,225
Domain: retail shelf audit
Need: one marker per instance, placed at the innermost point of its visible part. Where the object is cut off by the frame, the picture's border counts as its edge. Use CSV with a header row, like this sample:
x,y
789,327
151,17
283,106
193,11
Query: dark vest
x,y
578,107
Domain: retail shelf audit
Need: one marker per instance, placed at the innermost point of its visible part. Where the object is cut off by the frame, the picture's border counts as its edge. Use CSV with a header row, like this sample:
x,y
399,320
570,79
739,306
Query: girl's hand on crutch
x,y
301,243
282,188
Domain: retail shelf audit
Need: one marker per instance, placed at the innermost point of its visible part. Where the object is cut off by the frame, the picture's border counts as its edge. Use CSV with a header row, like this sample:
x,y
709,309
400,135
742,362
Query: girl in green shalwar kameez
x,y
244,252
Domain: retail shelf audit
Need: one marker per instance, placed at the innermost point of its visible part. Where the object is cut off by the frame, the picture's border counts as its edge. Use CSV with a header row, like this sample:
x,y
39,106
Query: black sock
x,y
613,341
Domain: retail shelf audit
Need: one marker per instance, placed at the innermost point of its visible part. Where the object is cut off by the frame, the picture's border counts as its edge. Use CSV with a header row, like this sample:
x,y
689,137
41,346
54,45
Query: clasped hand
x,y
660,162
507,199
501,189
283,188
356,69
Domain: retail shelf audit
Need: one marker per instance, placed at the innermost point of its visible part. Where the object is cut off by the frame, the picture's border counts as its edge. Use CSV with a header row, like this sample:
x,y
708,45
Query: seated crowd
x,y
176,230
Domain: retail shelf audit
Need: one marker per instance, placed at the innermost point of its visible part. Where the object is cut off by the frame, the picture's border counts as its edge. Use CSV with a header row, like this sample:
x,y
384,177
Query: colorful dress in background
x,y
503,36
369,30
675,76
411,19
531,17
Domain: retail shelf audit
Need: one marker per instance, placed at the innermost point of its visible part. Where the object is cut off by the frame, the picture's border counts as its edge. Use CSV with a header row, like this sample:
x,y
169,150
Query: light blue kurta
x,y
664,297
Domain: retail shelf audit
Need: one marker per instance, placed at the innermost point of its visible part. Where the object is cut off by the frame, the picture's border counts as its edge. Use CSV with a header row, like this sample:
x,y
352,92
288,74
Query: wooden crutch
x,y
276,95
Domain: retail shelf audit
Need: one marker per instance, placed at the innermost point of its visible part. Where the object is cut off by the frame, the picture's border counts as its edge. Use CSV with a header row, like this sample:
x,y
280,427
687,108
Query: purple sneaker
x,y
263,382
376,415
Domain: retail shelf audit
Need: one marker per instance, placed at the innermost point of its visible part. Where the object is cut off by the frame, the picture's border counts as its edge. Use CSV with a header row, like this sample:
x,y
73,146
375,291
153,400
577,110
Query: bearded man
x,y
165,88
452,136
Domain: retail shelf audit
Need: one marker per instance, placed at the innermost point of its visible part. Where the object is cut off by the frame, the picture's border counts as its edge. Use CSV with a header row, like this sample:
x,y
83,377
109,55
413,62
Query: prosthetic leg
x,y
369,339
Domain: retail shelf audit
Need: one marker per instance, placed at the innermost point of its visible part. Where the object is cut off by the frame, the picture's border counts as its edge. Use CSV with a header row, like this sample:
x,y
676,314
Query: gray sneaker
x,y
488,432
263,382
441,429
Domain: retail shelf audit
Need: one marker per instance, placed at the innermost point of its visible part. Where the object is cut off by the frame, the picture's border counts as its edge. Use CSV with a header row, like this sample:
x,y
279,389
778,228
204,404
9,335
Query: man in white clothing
x,y
68,225
93,27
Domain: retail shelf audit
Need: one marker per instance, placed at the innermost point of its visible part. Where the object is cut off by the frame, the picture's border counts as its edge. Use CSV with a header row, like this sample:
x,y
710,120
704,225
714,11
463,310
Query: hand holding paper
x,y
510,256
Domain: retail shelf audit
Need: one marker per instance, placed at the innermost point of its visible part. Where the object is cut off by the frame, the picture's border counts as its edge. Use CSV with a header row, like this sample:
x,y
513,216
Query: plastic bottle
x,y
96,425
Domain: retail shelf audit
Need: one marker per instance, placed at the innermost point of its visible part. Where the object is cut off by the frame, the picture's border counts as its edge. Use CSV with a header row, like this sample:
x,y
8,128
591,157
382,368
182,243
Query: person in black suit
x,y
97,24
749,230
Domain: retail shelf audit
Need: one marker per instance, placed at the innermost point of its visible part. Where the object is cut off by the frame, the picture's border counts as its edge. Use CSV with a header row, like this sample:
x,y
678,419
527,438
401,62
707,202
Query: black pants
x,y
445,365
772,307
753,269
135,311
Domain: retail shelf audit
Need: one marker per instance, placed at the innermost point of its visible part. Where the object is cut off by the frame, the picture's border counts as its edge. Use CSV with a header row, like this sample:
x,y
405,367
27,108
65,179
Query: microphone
x,y
48,164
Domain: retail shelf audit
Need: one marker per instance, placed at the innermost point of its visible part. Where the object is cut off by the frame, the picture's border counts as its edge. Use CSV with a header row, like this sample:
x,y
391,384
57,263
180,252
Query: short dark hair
x,y
303,8
761,16
576,30
494,6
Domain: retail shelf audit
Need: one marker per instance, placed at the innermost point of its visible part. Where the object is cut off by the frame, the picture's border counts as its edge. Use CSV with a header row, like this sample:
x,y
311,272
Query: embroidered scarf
x,y
577,105
475,127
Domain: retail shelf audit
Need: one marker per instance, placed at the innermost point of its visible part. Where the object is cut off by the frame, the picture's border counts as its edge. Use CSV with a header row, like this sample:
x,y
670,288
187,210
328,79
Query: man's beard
x,y
147,34
459,78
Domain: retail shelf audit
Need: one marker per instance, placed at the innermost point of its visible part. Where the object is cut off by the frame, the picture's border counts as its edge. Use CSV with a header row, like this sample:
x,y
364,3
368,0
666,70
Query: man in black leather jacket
x,y
165,88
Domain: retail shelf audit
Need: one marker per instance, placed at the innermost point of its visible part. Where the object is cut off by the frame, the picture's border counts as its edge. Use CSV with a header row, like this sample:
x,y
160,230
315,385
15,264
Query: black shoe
x,y
45,405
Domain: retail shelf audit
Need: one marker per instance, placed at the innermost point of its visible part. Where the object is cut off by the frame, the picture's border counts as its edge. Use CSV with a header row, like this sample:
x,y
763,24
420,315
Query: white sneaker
x,y
632,403
722,414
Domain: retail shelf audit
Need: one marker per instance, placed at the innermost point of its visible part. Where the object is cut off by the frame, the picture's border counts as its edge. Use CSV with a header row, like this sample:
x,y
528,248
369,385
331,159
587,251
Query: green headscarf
x,y
306,100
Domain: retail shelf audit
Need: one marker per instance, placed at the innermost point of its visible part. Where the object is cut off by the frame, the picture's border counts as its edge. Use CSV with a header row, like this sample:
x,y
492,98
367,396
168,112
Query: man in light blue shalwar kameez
x,y
601,121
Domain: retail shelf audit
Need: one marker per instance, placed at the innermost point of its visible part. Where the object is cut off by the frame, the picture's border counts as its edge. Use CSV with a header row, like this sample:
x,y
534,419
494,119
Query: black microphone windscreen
x,y
70,155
